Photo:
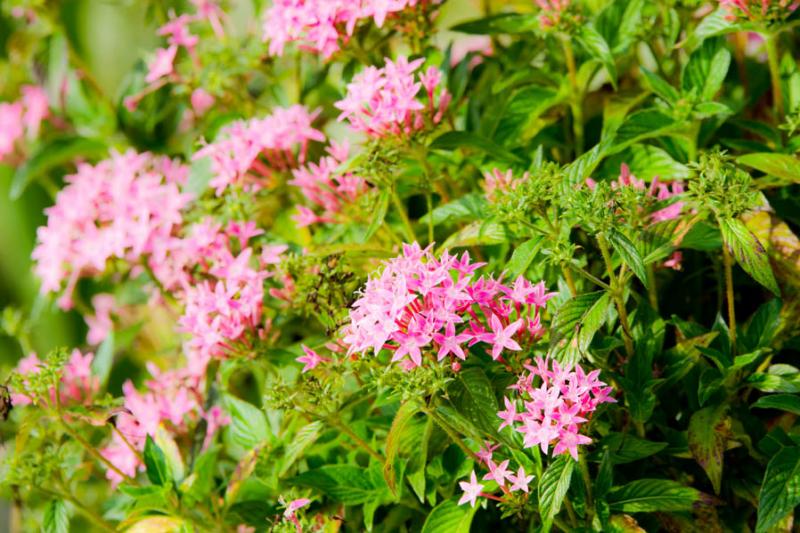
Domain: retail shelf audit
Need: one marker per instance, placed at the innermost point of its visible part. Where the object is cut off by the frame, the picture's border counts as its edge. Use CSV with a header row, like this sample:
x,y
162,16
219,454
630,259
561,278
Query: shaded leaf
x,y
780,491
708,434
651,495
553,488
748,251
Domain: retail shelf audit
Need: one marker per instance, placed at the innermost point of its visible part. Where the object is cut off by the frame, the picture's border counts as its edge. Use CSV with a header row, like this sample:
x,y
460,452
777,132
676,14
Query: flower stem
x,y
576,97
774,74
450,433
401,211
728,265
358,440
616,294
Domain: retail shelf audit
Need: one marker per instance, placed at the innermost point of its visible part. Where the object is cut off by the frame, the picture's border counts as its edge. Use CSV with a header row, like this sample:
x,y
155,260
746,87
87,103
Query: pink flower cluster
x,y
247,153
555,409
422,305
77,384
221,312
507,480
125,207
501,182
178,35
757,9
173,402
657,189
22,118
551,11
383,101
321,26
326,187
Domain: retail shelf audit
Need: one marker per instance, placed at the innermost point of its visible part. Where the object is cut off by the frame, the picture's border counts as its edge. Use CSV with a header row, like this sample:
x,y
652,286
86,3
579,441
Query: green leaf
x,y
748,251
248,427
55,519
576,323
780,491
503,23
782,166
521,116
660,86
708,434
473,397
202,477
468,207
626,448
706,69
629,254
785,402
156,463
401,419
52,155
475,234
523,256
598,48
104,359
464,139
652,495
378,214
304,438
553,488
712,25
350,485
644,124
646,162
763,326
449,517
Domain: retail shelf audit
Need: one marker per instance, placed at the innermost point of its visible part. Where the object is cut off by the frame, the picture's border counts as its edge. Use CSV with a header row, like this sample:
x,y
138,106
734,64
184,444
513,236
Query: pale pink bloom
x,y
551,11
127,207
37,107
555,410
520,481
201,101
11,127
294,505
311,359
248,153
384,101
162,64
100,324
498,183
497,472
472,490
485,453
211,12
77,385
480,45
177,32
422,304
674,261
271,255
509,416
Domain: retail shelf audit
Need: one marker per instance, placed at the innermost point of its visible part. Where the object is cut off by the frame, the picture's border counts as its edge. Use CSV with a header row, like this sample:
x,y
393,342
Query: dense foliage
x,y
401,265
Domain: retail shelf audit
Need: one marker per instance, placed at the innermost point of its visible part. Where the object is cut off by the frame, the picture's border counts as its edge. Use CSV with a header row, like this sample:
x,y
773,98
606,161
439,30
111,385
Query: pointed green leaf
x,y
155,463
553,488
652,495
780,491
629,254
449,517
708,434
748,251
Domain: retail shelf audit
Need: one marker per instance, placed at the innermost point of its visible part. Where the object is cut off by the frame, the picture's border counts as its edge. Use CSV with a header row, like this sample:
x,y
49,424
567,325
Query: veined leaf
x,y
784,402
576,323
464,139
401,419
706,69
248,427
708,434
629,254
598,48
780,491
348,484
155,463
449,517
553,488
523,255
650,495
748,251
782,166
55,519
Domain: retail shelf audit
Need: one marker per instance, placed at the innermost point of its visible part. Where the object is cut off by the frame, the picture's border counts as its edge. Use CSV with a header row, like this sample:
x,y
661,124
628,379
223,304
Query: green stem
x,y
573,519
576,98
652,293
358,440
587,480
775,74
728,265
450,432
616,294
401,211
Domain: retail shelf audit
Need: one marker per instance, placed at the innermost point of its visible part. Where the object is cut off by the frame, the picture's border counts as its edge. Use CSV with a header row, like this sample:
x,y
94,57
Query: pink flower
x,y
294,505
100,324
311,359
77,384
485,453
551,11
497,472
127,207
502,337
555,410
162,63
37,107
383,101
249,153
520,481
420,304
472,490
201,101
321,26
11,127
177,32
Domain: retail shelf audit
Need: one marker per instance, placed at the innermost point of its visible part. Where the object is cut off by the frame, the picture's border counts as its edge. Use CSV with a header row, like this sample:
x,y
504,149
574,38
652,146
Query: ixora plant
x,y
403,265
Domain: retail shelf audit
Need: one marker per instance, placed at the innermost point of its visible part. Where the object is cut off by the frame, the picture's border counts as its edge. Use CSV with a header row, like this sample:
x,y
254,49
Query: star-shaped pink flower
x,y
311,359
472,490
520,481
502,337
